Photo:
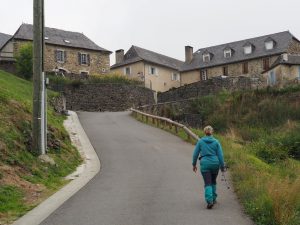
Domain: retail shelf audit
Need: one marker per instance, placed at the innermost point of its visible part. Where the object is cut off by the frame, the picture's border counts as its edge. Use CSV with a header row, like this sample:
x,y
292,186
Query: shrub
x,y
25,61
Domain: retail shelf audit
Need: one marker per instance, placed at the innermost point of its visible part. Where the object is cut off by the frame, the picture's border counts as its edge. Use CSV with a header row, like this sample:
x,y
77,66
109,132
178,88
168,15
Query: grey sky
x,y
164,26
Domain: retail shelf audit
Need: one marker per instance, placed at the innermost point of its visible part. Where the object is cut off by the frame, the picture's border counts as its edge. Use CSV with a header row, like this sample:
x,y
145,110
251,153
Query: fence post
x,y
146,119
153,120
176,129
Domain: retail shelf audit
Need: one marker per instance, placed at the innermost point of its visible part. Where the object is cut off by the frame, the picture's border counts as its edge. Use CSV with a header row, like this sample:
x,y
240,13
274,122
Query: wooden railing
x,y
159,121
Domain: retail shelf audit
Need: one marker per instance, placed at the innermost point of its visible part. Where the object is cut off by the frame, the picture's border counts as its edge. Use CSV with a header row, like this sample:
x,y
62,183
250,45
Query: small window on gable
x,y
175,77
206,57
227,53
269,45
153,70
248,49
128,71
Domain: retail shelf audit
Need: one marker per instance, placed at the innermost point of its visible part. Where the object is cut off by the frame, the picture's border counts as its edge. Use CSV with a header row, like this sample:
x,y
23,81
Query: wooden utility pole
x,y
38,124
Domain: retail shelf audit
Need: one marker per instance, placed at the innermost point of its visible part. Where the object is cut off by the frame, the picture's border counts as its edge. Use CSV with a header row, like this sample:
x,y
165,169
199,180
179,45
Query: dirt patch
x,y
11,176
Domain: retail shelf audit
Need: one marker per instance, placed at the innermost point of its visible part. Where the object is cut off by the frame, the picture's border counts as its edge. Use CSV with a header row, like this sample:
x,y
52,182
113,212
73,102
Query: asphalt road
x,y
146,178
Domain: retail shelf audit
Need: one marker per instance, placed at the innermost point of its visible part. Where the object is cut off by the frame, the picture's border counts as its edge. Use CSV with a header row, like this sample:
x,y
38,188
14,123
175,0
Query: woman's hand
x,y
195,169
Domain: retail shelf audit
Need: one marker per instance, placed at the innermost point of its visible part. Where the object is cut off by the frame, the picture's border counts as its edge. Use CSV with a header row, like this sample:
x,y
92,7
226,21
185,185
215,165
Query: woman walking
x,y
211,160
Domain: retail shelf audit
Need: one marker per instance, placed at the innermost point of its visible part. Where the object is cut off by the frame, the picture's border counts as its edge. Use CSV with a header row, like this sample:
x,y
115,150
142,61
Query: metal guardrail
x,y
167,122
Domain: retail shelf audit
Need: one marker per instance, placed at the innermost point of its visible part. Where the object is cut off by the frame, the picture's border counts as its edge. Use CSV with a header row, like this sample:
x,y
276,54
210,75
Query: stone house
x,y
4,38
248,58
285,70
65,51
157,71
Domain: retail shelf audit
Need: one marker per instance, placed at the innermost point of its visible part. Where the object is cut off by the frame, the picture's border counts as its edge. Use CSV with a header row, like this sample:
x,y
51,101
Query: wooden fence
x,y
157,120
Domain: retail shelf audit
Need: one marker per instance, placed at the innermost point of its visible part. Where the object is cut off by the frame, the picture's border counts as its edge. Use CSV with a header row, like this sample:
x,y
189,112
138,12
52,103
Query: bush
x,y
25,61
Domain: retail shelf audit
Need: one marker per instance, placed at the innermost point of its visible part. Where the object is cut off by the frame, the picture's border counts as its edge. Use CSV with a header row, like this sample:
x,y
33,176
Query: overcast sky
x,y
164,26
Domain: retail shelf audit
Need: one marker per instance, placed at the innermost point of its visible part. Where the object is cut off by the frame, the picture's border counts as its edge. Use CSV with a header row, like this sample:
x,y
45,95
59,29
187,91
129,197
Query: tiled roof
x,y
59,37
290,60
3,39
136,54
282,41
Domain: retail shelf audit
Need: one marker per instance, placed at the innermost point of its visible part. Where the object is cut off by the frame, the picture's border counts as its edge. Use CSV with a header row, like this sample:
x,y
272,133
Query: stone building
x,y
159,72
249,57
4,38
65,51
285,70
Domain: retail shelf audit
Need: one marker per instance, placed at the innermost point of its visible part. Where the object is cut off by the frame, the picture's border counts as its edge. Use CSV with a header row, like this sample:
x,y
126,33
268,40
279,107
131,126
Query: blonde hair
x,y
208,129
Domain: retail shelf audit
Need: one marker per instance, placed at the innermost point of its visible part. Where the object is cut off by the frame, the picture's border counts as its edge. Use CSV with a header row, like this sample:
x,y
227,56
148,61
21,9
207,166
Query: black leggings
x,y
210,177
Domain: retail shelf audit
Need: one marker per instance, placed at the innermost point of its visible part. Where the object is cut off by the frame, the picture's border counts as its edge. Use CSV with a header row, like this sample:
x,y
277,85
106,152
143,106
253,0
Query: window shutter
x,y
149,68
55,56
156,71
79,58
88,59
65,56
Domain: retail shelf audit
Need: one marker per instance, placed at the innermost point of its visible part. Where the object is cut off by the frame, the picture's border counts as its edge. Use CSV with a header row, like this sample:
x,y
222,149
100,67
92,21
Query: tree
x,y
24,61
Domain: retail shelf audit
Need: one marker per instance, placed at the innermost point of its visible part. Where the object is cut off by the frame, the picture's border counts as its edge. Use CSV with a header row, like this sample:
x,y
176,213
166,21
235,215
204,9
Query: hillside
x,y
24,179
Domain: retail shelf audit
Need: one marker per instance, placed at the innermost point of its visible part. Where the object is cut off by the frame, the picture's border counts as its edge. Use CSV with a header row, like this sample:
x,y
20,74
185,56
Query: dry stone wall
x,y
106,97
211,86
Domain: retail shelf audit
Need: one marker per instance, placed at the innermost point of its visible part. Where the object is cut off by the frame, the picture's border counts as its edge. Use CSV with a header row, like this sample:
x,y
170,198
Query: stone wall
x,y
211,86
294,47
106,97
99,61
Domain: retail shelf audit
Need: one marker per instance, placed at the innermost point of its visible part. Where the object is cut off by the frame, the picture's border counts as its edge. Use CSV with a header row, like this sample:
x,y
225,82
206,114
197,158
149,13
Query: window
x,y
248,49
60,56
84,59
206,57
127,71
225,70
175,77
245,68
269,45
272,78
227,53
84,74
203,74
153,70
266,63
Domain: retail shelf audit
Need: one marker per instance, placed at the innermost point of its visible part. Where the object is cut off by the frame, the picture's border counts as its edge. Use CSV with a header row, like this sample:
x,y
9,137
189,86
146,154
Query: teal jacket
x,y
211,151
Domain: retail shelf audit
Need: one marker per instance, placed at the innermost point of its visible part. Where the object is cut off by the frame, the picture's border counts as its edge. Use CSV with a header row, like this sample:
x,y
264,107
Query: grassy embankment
x,y
260,134
24,180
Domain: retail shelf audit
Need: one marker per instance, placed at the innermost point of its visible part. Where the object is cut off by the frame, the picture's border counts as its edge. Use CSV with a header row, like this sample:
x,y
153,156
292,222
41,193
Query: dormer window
x,y
206,57
227,53
269,44
248,49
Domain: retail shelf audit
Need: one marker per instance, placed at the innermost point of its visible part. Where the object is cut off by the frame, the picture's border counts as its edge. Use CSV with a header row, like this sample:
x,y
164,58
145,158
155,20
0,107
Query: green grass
x,y
268,189
15,148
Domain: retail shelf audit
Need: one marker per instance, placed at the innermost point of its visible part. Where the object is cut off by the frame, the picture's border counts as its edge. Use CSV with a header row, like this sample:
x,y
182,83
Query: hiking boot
x,y
210,205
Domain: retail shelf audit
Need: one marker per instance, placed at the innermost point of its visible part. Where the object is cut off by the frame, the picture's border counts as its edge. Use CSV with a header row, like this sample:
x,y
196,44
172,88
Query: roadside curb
x,y
90,169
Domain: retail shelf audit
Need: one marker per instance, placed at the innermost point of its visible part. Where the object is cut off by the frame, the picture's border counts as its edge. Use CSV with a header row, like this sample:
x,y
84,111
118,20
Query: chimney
x,y
188,54
285,57
120,56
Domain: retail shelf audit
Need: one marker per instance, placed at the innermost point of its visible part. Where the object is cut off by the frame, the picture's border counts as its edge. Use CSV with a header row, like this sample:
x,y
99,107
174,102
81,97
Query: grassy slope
x,y
268,189
25,180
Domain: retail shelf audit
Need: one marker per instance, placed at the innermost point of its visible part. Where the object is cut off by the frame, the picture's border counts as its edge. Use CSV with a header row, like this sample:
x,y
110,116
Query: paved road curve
x,y
146,179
